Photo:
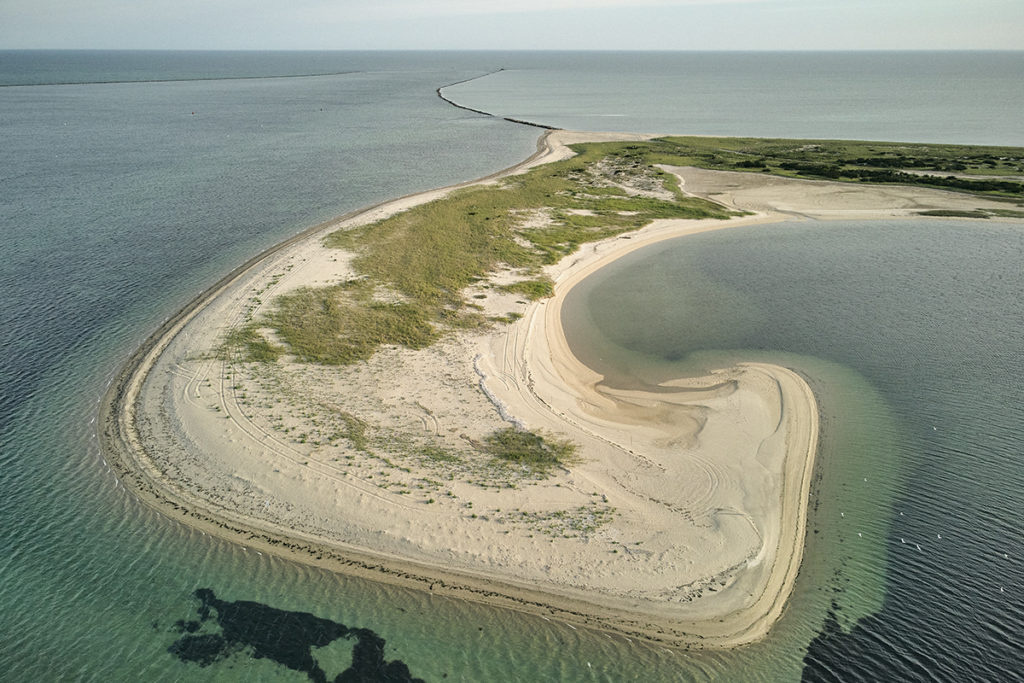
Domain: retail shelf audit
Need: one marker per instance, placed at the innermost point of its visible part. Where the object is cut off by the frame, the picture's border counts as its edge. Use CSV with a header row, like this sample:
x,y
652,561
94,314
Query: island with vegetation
x,y
392,394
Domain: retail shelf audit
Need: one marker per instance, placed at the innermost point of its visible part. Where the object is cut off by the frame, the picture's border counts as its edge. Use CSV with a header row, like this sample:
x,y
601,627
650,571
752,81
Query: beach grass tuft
x,y
344,324
538,288
534,450
251,345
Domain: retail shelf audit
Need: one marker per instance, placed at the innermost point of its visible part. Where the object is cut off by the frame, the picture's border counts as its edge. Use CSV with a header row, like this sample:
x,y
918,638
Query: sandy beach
x,y
683,522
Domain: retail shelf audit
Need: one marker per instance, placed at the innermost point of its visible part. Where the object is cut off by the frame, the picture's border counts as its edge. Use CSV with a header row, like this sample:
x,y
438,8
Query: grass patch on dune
x,y
433,251
251,345
539,288
538,452
928,165
344,323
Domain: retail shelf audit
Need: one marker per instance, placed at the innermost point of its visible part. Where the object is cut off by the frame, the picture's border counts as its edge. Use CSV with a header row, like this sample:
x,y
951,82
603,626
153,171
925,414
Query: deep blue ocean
x,y
131,181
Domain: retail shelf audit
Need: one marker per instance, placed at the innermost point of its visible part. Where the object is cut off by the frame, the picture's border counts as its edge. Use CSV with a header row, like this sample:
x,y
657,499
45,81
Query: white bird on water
x,y
902,541
918,547
938,536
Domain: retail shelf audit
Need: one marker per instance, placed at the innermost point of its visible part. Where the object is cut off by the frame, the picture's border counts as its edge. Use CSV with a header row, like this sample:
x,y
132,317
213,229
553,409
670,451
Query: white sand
x,y
683,523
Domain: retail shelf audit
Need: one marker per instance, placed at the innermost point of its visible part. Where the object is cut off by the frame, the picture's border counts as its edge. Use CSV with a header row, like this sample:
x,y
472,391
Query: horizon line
x,y
437,49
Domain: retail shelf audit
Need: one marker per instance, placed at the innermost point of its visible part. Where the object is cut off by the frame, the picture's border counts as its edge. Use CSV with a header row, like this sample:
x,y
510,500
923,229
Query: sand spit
x,y
683,523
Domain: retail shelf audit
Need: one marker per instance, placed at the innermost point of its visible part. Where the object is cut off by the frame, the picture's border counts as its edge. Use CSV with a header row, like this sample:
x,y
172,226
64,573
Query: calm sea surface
x,y
969,98
128,192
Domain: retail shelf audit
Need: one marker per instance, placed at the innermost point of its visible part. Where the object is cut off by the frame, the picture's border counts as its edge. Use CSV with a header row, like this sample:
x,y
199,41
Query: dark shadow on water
x,y
288,638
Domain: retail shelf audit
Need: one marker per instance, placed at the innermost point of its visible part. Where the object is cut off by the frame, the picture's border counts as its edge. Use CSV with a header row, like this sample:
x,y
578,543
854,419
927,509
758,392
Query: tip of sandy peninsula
x,y
681,520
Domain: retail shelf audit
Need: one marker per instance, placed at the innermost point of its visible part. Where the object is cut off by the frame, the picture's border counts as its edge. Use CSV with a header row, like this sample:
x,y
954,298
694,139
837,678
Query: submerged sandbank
x,y
684,522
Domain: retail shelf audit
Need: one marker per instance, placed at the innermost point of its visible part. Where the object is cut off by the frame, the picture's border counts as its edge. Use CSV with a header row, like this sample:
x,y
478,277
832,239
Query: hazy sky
x,y
514,24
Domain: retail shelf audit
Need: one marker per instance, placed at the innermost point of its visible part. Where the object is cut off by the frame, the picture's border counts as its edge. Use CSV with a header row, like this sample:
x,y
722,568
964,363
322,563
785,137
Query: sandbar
x,y
683,522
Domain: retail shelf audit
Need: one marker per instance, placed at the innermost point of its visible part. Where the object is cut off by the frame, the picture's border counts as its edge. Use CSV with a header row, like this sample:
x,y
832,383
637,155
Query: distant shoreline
x,y
530,368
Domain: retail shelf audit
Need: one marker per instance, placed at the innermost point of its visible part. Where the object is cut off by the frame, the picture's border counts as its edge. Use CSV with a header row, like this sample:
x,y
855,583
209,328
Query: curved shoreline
x,y
544,351
798,409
